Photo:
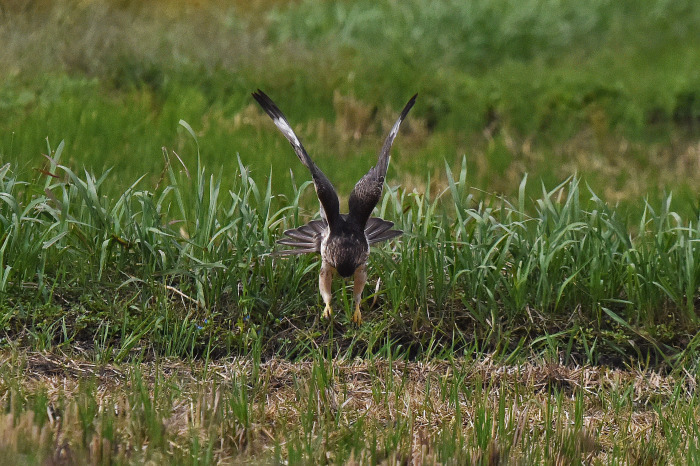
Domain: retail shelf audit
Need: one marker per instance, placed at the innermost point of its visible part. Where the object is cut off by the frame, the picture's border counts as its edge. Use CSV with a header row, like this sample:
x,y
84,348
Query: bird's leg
x,y
359,284
325,280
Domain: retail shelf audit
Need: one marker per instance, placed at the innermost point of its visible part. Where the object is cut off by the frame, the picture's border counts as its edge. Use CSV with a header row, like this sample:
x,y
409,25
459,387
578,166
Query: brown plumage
x,y
343,240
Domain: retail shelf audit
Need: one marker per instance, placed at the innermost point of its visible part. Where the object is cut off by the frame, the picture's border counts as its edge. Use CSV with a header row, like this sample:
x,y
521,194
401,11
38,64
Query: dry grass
x,y
584,414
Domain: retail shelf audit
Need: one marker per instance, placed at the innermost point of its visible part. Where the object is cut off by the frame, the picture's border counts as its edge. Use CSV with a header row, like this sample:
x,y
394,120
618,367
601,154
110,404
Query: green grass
x,y
187,266
541,308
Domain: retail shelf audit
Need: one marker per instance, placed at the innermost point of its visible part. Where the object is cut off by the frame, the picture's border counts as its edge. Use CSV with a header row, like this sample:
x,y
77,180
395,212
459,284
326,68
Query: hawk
x,y
343,240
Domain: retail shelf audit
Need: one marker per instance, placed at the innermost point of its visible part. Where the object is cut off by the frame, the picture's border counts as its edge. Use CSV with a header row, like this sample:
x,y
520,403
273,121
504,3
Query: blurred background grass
x,y
610,90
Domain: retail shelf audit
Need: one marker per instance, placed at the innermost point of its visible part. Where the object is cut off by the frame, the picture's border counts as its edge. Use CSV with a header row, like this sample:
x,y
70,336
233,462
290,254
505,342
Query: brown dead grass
x,y
378,392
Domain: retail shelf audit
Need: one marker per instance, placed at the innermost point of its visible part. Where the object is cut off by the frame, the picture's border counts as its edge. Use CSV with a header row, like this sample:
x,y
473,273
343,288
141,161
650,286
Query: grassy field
x,y
541,307
375,411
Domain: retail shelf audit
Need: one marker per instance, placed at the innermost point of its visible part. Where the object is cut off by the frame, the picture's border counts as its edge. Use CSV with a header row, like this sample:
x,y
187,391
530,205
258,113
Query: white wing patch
x,y
395,128
287,131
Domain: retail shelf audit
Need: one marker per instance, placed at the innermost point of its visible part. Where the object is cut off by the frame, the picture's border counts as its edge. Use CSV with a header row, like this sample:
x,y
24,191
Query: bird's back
x,y
346,247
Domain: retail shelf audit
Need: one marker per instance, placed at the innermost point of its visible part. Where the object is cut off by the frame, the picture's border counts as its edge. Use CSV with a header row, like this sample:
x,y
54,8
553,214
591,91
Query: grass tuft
x,y
187,267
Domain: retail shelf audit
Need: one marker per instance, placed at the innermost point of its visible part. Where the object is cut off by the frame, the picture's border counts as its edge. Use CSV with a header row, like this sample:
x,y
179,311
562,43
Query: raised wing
x,y
368,190
330,207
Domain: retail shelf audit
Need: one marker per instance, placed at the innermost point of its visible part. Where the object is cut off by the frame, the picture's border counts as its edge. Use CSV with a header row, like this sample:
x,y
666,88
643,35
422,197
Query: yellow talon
x,y
327,312
357,315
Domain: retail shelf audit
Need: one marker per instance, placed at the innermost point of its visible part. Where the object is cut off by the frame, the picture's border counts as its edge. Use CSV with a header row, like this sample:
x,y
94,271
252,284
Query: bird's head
x,y
348,258
347,268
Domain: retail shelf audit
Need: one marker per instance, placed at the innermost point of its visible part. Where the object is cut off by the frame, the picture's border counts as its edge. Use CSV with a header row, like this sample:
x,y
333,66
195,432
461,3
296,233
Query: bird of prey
x,y
343,240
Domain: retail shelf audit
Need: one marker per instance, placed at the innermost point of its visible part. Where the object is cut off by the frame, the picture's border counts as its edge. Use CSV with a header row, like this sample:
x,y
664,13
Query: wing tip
x,y
266,103
409,105
259,95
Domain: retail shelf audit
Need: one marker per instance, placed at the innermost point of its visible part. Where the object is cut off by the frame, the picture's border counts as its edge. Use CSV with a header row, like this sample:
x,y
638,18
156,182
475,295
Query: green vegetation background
x,y
609,91
548,182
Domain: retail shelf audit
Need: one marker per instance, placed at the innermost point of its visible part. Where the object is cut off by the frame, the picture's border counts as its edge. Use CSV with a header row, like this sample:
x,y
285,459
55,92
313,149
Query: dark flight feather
x,y
330,207
363,198
367,192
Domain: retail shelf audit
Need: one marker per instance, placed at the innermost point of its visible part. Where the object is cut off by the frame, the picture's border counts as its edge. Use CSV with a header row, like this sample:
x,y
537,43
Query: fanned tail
x,y
378,230
307,238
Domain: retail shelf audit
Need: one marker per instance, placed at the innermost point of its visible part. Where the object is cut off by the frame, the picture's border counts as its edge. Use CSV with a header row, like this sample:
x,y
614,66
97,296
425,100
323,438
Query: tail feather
x,y
297,244
305,239
387,235
291,252
316,226
378,230
377,225
296,234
